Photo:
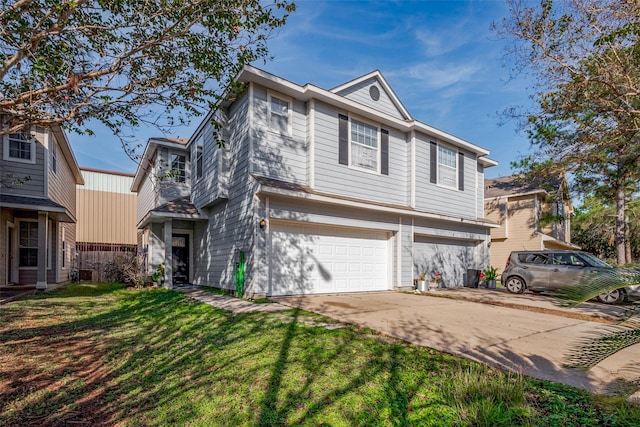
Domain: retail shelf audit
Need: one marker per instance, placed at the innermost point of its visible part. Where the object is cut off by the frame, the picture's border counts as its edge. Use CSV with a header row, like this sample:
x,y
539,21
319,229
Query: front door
x,y
180,244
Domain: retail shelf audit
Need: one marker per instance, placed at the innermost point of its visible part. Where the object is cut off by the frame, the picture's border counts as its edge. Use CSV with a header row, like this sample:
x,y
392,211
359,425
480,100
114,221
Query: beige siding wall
x,y
106,217
496,210
62,182
520,230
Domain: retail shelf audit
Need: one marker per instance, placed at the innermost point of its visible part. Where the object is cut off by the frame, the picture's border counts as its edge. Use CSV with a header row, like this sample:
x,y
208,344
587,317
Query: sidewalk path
x,y
232,304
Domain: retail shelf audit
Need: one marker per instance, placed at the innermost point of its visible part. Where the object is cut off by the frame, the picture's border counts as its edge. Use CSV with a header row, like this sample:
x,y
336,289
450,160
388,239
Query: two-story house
x,y
313,191
533,215
38,177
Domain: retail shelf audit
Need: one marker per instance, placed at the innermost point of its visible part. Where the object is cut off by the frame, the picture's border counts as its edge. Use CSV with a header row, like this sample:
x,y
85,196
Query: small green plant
x,y
422,276
490,273
158,275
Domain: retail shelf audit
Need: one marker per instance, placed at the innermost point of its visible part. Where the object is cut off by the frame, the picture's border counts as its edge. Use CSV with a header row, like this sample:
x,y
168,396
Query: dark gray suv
x,y
549,270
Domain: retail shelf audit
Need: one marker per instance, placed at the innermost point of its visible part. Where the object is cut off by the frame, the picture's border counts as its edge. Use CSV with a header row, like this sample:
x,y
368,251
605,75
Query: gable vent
x,y
374,92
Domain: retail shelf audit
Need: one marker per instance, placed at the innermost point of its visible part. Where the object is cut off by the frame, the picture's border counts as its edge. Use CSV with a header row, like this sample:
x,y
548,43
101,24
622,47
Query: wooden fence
x,y
94,259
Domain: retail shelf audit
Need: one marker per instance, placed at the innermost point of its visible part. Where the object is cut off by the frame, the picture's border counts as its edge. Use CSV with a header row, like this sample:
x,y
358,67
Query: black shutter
x,y
384,152
433,163
343,139
460,171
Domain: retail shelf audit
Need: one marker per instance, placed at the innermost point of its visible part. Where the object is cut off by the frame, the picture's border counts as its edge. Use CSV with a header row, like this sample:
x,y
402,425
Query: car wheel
x,y
612,297
515,285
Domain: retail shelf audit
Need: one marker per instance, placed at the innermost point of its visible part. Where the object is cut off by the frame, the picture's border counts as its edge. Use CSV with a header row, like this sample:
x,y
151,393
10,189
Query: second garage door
x,y
308,259
449,257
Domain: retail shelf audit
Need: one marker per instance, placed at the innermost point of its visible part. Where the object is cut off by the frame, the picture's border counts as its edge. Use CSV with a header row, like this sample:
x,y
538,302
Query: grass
x,y
98,354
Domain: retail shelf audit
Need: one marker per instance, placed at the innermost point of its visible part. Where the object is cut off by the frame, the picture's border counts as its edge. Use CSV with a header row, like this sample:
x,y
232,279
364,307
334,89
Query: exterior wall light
x,y
263,223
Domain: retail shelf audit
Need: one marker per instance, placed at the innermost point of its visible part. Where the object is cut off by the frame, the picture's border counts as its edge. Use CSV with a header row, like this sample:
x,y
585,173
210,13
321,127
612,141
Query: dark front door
x,y
180,244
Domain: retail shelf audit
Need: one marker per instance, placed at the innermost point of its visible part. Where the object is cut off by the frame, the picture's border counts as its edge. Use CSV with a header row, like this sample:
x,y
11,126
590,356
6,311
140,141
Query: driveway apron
x,y
535,344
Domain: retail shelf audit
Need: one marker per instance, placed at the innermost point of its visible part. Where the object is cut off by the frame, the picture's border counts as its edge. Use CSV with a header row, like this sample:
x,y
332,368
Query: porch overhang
x,y
179,209
33,204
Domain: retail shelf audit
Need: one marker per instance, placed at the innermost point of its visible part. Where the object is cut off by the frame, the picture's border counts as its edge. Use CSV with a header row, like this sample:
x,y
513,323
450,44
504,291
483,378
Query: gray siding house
x,y
314,191
38,177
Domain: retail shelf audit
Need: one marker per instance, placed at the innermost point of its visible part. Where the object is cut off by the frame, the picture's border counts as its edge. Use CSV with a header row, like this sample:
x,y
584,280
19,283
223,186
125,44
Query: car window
x,y
594,261
533,258
567,259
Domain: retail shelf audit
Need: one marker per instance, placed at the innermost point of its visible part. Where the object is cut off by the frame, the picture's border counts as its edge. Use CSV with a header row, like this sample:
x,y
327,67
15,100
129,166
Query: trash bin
x,y
472,278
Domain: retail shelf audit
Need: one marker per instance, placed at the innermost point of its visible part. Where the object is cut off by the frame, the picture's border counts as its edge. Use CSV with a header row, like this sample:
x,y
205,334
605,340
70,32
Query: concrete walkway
x,y
231,304
534,343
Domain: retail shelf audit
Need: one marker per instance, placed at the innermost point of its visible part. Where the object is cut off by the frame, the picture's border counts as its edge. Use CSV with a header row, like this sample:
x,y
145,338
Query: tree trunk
x,y
620,225
627,240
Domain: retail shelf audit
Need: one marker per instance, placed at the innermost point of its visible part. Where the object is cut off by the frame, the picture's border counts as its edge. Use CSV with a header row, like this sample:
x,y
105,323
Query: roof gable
x,y
373,91
518,185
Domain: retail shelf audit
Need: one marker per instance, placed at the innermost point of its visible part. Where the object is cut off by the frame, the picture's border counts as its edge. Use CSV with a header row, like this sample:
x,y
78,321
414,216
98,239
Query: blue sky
x,y
440,58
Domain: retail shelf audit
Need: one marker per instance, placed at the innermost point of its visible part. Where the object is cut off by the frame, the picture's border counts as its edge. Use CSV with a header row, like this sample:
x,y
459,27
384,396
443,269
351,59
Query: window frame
x,y
378,147
199,150
270,96
21,246
178,178
29,138
54,156
439,182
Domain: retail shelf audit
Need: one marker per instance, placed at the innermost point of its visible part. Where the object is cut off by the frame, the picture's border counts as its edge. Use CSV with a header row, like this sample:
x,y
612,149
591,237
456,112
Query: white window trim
x,y
199,156
6,156
54,156
289,101
455,156
18,246
187,175
378,148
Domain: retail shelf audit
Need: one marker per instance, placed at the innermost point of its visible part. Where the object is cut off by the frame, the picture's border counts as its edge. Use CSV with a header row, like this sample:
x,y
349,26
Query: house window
x,y
199,149
64,249
19,147
178,168
279,112
364,145
28,244
447,167
54,157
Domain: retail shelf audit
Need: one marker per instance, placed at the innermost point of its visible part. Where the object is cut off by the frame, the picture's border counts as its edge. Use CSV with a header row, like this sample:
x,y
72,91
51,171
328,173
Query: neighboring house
x,y
38,177
106,225
533,215
313,191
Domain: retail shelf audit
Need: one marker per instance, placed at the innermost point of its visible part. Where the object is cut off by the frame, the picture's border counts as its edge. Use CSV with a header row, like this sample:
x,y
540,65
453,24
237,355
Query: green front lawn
x,y
92,354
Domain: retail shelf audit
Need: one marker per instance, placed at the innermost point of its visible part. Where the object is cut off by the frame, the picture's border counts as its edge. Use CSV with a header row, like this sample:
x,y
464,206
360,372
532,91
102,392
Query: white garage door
x,y
308,259
451,258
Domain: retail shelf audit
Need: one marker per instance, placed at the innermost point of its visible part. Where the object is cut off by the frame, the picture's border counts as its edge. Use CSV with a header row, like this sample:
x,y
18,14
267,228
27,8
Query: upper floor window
x,y
279,114
178,168
364,145
447,166
199,150
54,157
19,147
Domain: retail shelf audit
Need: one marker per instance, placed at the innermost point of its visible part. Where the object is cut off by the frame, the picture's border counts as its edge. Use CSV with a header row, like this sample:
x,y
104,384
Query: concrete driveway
x,y
535,344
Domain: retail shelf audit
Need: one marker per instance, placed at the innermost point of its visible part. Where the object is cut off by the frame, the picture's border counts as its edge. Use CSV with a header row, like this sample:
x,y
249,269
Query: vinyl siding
x,y
205,189
331,177
232,224
167,189
521,232
360,94
480,191
62,183
147,197
496,211
279,155
443,200
35,185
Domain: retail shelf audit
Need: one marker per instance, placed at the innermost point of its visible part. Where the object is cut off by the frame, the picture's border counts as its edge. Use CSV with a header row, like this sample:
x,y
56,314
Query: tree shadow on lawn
x,y
118,364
